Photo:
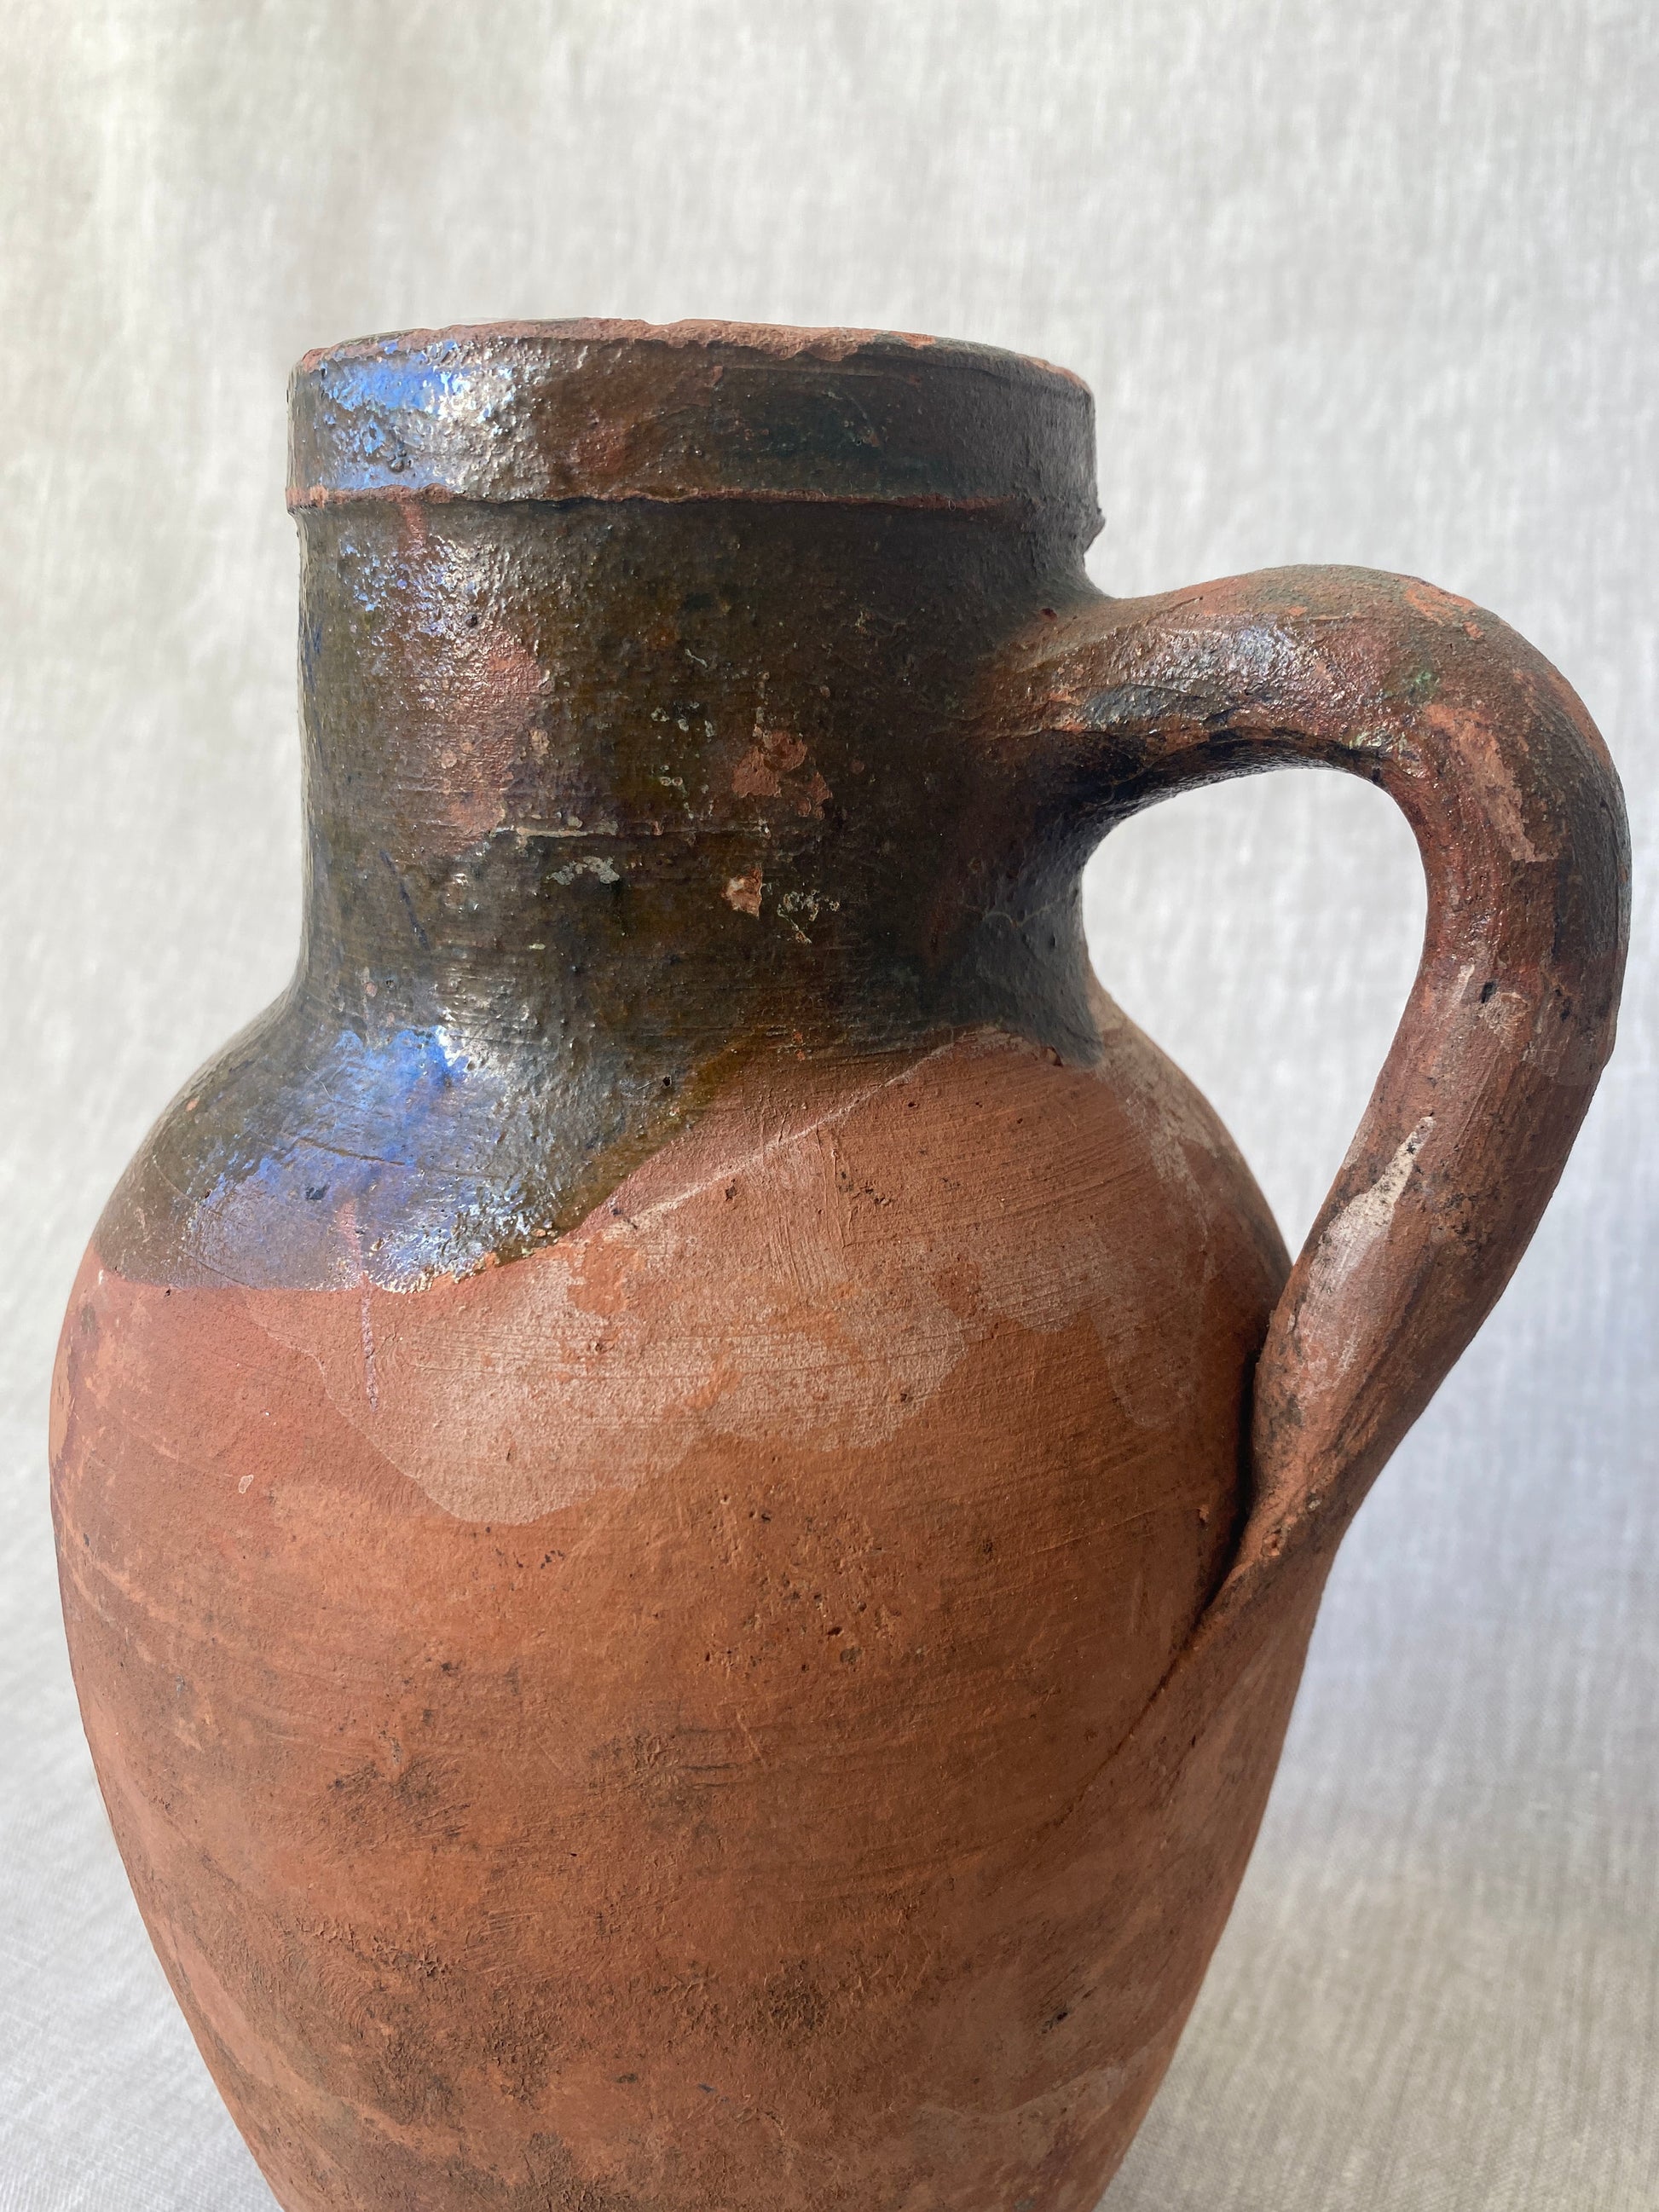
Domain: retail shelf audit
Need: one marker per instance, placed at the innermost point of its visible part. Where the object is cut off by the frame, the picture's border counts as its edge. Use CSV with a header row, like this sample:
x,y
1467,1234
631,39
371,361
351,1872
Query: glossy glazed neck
x,y
680,766
642,678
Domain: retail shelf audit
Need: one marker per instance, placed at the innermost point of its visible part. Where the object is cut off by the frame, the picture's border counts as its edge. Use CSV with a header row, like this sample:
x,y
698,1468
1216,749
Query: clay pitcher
x,y
691,1484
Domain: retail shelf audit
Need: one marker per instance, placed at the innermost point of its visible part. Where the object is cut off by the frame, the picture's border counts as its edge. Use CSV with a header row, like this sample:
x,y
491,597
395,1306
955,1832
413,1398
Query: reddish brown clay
x,y
689,1488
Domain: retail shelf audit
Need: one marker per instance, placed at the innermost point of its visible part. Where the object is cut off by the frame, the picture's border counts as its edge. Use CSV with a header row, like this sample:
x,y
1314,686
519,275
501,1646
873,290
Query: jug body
x,y
640,1466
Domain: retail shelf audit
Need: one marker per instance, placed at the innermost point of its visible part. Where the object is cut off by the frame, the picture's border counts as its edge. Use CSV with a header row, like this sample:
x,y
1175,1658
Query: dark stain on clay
x,y
691,1485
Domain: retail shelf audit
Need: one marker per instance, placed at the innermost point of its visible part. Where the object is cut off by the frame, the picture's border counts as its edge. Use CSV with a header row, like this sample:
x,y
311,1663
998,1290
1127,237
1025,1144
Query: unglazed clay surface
x,y
689,1487
796,1544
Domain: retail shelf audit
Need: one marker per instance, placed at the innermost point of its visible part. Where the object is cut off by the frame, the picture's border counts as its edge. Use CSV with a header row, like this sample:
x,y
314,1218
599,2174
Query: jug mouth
x,y
598,410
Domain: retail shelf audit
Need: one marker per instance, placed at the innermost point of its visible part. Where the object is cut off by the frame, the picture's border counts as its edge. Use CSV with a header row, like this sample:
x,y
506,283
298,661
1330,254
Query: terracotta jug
x,y
691,1484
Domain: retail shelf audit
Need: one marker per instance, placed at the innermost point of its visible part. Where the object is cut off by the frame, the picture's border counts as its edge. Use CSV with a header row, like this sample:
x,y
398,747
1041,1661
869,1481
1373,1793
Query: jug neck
x,y
671,770
639,672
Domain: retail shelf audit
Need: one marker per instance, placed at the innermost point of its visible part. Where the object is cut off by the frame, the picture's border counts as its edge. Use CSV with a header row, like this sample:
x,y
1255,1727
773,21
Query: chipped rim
x,y
614,410
775,341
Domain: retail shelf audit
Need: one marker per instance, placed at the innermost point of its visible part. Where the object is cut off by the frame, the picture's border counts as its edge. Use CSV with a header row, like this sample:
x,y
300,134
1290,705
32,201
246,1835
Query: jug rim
x,y
597,407
782,342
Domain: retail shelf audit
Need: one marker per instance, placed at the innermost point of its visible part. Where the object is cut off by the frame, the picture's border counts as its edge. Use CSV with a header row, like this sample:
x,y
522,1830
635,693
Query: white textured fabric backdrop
x,y
1356,280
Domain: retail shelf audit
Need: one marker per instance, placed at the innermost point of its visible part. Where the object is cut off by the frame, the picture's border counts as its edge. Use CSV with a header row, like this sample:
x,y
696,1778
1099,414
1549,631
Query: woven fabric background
x,y
1375,281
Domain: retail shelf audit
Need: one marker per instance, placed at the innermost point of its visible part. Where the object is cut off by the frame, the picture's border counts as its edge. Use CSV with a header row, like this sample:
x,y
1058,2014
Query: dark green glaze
x,y
607,791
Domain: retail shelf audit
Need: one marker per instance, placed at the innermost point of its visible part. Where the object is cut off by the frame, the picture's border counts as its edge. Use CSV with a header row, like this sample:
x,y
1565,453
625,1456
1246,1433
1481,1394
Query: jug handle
x,y
1521,824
